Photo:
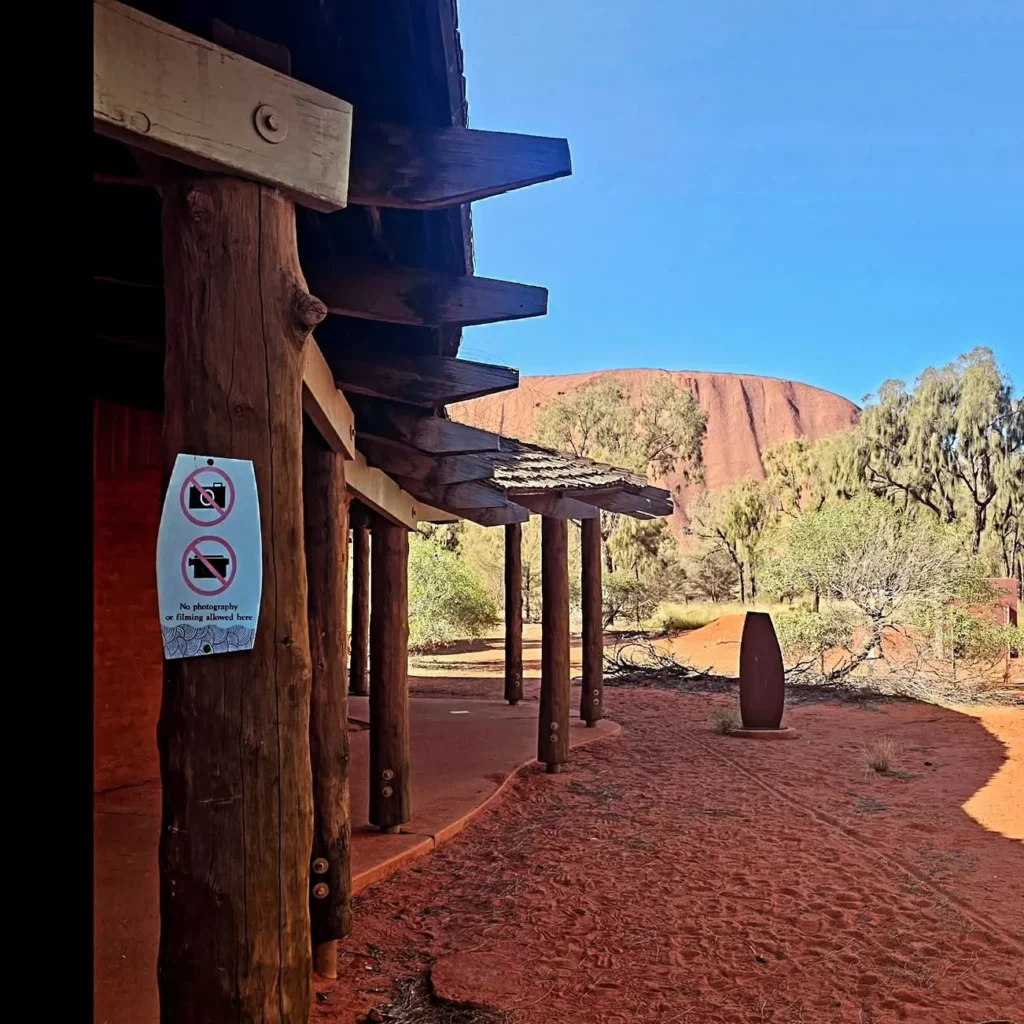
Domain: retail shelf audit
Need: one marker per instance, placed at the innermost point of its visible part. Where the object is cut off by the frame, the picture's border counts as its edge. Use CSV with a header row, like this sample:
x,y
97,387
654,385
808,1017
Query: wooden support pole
x,y
513,613
592,696
359,671
389,680
553,728
237,822
325,500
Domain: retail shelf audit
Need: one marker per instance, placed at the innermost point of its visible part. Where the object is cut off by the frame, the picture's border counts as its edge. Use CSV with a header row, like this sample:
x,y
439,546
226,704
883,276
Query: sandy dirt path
x,y
680,877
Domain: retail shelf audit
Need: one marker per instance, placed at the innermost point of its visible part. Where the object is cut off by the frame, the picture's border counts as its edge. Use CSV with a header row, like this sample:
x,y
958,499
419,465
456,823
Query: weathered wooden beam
x,y
429,381
389,682
322,402
263,51
435,435
592,692
428,169
179,96
424,298
554,505
359,669
656,493
457,497
325,506
513,613
237,822
503,516
636,505
553,723
439,515
384,496
401,460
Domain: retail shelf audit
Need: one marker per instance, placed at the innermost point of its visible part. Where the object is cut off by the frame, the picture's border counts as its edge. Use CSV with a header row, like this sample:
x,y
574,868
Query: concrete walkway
x,y
463,754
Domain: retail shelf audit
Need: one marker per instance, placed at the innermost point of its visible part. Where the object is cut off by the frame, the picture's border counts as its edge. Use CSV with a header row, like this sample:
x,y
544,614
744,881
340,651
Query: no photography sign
x,y
209,560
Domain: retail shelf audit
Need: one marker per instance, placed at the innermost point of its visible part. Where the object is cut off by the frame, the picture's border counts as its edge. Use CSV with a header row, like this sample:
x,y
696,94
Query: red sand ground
x,y
676,876
459,763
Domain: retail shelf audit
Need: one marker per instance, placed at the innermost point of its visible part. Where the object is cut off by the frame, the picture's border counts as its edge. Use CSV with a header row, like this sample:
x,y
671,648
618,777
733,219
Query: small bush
x,y
448,600
725,722
882,754
672,618
807,635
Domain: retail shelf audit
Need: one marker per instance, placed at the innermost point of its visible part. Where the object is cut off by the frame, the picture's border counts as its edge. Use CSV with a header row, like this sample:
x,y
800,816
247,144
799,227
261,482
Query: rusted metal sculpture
x,y
762,676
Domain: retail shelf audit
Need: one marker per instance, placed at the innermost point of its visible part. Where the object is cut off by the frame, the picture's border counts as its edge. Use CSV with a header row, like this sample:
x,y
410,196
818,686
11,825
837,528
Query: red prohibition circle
x,y
192,479
225,581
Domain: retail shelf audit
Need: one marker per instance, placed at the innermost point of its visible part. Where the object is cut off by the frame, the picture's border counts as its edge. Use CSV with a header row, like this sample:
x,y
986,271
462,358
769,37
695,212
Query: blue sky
x,y
828,191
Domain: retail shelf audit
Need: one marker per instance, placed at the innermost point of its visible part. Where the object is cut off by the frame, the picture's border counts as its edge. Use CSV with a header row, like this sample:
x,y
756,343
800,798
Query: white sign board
x,y
209,558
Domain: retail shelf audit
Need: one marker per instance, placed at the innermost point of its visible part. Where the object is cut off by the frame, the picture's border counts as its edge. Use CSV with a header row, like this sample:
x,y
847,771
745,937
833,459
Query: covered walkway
x,y
464,751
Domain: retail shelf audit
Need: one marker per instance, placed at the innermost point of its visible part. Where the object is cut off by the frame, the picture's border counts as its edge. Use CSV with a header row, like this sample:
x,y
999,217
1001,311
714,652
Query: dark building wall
x,y
127,656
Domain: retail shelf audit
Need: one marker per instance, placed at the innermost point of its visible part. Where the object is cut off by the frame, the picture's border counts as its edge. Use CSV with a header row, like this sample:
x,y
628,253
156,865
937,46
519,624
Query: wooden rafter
x,y
179,96
432,434
424,298
383,495
554,506
457,497
636,505
427,169
429,381
504,516
400,460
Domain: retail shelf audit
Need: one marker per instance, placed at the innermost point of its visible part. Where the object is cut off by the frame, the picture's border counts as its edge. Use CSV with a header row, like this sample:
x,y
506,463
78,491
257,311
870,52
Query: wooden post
x,y
513,613
389,687
237,821
592,696
359,672
326,516
553,729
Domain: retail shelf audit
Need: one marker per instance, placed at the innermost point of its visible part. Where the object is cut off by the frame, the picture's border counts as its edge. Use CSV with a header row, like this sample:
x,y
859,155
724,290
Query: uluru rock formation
x,y
746,415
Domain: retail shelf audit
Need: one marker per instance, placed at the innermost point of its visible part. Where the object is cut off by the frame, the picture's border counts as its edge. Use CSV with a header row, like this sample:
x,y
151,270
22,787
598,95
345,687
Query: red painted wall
x,y
127,655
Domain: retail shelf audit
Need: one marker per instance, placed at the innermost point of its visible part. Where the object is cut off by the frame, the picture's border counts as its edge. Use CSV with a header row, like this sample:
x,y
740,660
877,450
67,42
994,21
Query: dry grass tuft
x,y
725,722
882,754
414,1003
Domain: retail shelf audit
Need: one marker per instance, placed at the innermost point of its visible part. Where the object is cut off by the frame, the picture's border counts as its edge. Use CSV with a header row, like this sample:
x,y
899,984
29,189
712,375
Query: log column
x,y
389,686
237,821
592,694
553,729
359,671
326,517
513,613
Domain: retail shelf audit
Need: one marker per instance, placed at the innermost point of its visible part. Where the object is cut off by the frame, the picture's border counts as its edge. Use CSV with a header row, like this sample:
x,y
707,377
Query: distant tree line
x,y
892,521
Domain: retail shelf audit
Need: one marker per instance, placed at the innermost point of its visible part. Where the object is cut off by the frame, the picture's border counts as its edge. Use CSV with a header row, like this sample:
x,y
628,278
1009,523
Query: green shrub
x,y
448,600
626,595
672,618
967,636
805,635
